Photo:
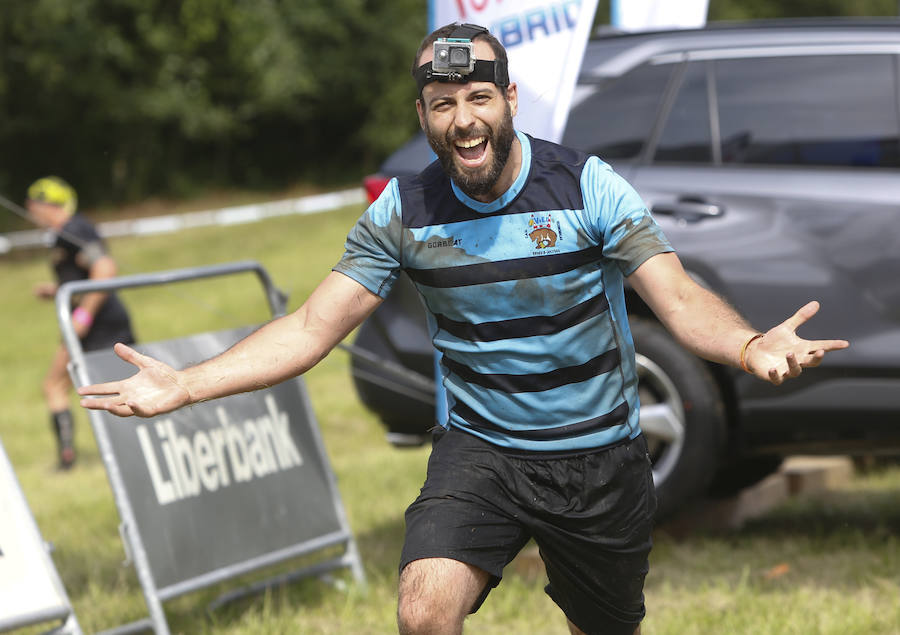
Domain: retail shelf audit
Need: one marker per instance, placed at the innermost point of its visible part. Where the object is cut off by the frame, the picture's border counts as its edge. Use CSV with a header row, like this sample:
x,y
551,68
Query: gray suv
x,y
770,155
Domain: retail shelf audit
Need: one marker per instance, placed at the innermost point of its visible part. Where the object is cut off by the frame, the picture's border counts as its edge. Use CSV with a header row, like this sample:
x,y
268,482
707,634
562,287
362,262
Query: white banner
x,y
648,15
545,42
29,584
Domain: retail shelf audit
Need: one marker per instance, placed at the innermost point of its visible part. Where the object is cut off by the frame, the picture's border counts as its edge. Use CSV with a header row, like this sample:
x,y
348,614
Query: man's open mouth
x,y
471,151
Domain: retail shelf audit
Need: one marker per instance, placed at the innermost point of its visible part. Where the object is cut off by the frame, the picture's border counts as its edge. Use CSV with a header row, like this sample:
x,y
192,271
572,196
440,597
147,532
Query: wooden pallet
x,y
798,476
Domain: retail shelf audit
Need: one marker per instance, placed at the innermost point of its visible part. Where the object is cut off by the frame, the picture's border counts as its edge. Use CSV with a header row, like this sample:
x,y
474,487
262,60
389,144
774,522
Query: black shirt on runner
x,y
78,246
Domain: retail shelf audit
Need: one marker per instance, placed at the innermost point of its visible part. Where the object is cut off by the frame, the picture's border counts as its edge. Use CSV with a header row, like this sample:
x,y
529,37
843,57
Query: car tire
x,y
682,416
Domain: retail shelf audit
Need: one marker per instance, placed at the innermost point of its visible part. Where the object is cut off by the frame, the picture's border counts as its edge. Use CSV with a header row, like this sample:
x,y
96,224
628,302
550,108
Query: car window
x,y
686,134
612,119
809,110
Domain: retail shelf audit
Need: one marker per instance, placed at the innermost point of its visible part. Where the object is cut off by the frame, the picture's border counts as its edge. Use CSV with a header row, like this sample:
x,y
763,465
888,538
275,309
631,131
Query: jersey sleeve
x,y
86,243
372,252
620,218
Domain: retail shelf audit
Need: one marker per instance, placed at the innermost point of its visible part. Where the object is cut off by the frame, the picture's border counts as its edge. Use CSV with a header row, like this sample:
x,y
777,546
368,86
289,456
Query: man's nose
x,y
463,117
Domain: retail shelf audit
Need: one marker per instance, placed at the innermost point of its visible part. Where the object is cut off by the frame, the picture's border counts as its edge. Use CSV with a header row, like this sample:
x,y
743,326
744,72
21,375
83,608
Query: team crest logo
x,y
540,231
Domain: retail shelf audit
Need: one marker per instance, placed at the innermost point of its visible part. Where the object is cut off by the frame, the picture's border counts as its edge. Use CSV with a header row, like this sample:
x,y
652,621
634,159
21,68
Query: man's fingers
x,y
128,354
828,345
120,410
798,353
109,388
802,315
139,411
815,359
112,405
794,368
116,406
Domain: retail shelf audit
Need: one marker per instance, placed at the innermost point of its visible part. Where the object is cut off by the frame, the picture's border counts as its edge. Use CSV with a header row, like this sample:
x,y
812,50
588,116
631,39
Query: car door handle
x,y
689,211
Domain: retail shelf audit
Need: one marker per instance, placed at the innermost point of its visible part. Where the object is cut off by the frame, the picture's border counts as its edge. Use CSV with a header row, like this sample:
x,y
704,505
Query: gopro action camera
x,y
454,55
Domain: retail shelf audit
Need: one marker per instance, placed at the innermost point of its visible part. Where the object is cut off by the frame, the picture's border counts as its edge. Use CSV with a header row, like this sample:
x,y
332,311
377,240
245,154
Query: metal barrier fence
x,y
221,488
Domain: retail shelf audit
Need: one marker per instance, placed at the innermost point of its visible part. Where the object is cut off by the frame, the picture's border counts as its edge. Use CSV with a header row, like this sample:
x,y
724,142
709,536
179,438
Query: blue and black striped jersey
x,y
524,295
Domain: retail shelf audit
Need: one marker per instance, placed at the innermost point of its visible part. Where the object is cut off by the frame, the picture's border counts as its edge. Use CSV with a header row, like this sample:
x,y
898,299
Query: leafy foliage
x,y
131,97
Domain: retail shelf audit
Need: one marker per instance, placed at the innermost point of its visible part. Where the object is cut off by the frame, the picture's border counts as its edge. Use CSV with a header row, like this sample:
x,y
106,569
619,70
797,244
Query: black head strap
x,y
466,31
485,71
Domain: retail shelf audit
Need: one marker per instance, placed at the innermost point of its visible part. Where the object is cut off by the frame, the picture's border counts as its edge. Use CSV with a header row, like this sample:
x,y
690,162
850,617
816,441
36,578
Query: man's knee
x,y
54,388
423,616
436,594
56,382
47,387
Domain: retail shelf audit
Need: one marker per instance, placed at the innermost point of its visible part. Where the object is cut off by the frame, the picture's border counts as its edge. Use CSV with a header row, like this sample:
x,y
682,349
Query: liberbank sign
x,y
187,465
221,485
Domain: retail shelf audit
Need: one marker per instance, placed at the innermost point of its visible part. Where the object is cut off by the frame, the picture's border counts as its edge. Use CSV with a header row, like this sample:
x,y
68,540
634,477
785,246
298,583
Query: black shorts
x,y
111,324
591,516
101,336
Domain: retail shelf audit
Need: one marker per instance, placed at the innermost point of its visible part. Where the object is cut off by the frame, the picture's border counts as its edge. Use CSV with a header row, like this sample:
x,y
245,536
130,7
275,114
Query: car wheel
x,y
682,416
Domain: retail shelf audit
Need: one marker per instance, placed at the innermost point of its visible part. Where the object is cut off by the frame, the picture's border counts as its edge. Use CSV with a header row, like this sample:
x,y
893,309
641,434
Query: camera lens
x,y
459,57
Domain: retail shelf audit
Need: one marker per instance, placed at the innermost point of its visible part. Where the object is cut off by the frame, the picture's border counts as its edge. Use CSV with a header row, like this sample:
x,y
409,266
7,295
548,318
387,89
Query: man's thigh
x,y
464,512
596,549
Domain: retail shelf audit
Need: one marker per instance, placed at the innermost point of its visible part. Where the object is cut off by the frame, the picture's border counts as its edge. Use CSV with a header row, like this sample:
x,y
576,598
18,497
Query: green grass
x,y
839,554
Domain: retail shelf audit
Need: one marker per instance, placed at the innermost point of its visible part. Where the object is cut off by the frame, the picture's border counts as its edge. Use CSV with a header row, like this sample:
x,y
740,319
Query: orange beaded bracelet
x,y
744,351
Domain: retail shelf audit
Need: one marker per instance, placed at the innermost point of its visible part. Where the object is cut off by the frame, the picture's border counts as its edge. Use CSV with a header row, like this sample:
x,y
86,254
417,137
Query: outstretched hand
x,y
152,391
781,354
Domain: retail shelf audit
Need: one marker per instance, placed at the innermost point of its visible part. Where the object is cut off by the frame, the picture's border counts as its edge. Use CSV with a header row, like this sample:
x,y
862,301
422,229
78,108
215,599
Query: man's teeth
x,y
470,143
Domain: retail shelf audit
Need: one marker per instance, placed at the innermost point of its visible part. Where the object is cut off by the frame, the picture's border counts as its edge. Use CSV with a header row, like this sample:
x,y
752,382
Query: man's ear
x,y
420,108
512,96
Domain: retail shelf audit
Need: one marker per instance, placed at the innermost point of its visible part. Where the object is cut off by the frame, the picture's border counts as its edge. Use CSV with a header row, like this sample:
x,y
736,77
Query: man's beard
x,y
480,181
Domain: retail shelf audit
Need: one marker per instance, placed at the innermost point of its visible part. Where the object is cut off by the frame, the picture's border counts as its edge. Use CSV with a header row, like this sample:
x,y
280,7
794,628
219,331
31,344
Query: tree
x,y
128,98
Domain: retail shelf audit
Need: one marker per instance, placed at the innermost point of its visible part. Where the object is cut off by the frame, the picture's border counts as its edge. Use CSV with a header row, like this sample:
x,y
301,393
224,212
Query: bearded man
x,y
520,249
